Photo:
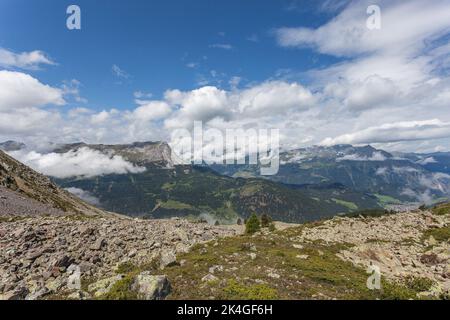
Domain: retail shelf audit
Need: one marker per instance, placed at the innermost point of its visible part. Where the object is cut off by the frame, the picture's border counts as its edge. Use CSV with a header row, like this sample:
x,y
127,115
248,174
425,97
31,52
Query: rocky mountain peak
x,y
139,153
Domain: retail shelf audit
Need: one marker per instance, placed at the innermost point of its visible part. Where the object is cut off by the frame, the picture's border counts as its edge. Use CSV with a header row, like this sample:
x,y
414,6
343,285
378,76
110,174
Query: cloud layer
x,y
83,162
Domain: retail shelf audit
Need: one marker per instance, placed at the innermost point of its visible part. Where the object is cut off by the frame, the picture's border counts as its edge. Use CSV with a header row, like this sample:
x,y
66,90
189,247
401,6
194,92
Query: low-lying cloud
x,y
84,195
83,162
376,156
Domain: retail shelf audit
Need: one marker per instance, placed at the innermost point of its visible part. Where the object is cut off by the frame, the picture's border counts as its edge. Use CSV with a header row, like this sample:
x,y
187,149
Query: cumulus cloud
x,y
151,110
20,90
26,60
83,162
388,88
275,97
201,104
388,76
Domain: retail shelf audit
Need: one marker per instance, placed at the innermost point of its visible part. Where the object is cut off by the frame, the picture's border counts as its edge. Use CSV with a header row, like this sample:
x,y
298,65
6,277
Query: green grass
x,y
439,234
320,276
276,272
370,213
236,291
441,210
175,205
121,290
386,200
125,267
347,204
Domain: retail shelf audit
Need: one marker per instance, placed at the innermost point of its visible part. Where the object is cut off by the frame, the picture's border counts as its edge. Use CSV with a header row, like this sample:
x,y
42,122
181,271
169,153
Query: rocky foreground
x,y
121,258
408,245
38,255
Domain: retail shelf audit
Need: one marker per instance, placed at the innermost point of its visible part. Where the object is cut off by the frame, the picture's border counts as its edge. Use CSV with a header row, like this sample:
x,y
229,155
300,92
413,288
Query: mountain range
x,y
312,183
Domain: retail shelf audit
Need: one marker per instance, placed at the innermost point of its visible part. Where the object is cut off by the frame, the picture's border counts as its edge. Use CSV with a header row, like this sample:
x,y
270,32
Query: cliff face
x,y
138,153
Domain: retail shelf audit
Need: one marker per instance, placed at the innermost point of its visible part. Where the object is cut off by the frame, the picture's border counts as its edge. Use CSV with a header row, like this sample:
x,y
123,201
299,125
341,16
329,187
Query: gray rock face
x,y
150,287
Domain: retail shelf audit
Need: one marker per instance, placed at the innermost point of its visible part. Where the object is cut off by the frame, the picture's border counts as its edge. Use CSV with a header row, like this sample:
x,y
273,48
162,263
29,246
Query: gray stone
x,y
99,244
103,286
209,277
167,259
150,287
36,295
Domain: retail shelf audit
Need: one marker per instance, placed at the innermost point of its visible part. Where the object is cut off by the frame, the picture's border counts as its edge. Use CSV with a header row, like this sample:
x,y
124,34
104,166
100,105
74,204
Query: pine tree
x,y
252,224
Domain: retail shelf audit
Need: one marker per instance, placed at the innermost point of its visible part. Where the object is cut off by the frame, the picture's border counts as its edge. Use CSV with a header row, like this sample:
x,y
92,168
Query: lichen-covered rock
x,y
151,287
103,286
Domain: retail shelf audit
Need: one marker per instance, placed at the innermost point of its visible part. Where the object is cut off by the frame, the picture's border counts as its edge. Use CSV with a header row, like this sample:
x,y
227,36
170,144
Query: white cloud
x,y
192,65
426,161
376,156
84,195
405,25
385,78
142,95
101,116
72,88
202,104
394,132
25,60
275,97
83,162
20,90
151,110
118,72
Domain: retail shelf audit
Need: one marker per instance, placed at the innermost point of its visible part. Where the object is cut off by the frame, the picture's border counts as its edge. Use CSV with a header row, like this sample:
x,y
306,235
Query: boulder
x,y
209,278
151,287
98,245
36,295
167,259
18,294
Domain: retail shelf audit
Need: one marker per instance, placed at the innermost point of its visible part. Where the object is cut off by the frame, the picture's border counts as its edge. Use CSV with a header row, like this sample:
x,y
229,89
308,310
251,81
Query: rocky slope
x,y
405,245
39,254
48,236
121,258
322,260
25,191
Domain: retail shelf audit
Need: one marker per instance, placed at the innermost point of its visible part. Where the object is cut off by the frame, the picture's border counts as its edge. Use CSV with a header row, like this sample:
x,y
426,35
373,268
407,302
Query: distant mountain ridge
x,y
400,177
11,145
312,183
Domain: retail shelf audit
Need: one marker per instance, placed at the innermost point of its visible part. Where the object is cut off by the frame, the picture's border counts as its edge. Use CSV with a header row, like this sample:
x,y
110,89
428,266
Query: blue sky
x,y
316,70
155,42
